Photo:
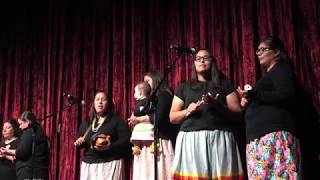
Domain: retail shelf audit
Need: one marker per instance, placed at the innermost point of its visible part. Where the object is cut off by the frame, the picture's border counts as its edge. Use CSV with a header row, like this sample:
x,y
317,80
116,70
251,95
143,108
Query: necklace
x,y
100,122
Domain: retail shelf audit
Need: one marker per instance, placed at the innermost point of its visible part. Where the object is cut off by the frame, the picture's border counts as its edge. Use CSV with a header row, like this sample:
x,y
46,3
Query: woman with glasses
x,y
206,107
272,149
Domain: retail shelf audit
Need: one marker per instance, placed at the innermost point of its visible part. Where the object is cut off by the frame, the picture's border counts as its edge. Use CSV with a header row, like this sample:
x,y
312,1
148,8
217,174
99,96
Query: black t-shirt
x,y
206,117
7,167
273,102
119,134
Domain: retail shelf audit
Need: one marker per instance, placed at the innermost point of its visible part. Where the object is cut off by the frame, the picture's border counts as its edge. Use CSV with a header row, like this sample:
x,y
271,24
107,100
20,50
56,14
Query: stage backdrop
x,y
79,46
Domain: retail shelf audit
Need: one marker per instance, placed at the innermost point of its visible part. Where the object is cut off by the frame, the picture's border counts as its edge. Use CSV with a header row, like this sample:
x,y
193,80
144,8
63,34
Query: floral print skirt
x,y
274,156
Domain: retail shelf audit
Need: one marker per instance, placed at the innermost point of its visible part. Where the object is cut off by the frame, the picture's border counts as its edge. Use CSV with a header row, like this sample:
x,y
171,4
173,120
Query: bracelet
x,y
187,113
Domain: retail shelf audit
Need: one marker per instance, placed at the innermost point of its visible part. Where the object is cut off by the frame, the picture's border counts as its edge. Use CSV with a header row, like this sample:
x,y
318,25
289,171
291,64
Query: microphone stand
x,y
156,122
54,113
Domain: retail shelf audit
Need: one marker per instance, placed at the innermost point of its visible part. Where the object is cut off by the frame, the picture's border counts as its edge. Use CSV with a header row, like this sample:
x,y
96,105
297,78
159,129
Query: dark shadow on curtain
x,y
308,131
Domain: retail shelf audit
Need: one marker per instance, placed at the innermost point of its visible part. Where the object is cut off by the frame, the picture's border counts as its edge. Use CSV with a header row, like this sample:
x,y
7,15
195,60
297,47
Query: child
x,y
142,133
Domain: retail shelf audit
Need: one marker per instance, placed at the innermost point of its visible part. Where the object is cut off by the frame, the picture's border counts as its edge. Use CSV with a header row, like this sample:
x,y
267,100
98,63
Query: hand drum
x,y
100,140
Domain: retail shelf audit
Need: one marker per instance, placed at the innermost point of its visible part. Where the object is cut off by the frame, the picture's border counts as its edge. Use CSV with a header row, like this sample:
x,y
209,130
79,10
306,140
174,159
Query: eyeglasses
x,y
202,59
262,50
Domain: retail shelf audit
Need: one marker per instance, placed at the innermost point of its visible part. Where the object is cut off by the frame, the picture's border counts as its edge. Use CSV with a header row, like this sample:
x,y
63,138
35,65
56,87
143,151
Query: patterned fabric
x,y
103,171
274,156
203,155
143,164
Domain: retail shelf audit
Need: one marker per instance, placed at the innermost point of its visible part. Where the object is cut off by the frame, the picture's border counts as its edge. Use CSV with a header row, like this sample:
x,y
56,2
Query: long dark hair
x,y
214,74
93,112
156,77
28,115
274,43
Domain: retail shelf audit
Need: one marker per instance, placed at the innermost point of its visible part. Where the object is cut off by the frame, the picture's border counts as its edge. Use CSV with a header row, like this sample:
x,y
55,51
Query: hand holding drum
x,y
101,142
245,91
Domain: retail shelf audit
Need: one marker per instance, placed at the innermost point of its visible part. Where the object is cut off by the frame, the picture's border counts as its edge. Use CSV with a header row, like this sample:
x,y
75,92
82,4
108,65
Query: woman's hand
x,y
132,121
193,107
3,150
244,97
244,92
211,100
103,147
79,141
7,151
241,92
244,102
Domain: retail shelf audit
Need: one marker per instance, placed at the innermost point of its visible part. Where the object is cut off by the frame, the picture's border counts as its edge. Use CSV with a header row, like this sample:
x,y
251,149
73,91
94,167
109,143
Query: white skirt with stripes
x,y
207,154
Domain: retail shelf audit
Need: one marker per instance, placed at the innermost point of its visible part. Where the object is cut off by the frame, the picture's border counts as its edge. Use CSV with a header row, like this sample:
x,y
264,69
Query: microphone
x,y
73,99
186,50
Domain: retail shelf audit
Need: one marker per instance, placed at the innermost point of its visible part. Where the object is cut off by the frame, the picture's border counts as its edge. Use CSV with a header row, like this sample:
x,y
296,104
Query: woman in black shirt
x,y
32,153
10,135
272,149
204,106
105,139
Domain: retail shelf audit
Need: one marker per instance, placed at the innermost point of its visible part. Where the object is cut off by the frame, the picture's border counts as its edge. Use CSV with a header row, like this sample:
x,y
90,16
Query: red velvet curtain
x,y
78,46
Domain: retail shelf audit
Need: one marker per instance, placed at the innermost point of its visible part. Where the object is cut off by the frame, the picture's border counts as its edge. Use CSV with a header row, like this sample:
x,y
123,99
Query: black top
x,y
32,163
7,167
273,102
206,117
119,134
142,108
166,129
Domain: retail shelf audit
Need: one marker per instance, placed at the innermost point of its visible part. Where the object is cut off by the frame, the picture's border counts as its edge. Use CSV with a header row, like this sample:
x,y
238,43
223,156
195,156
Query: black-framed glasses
x,y
262,50
203,58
